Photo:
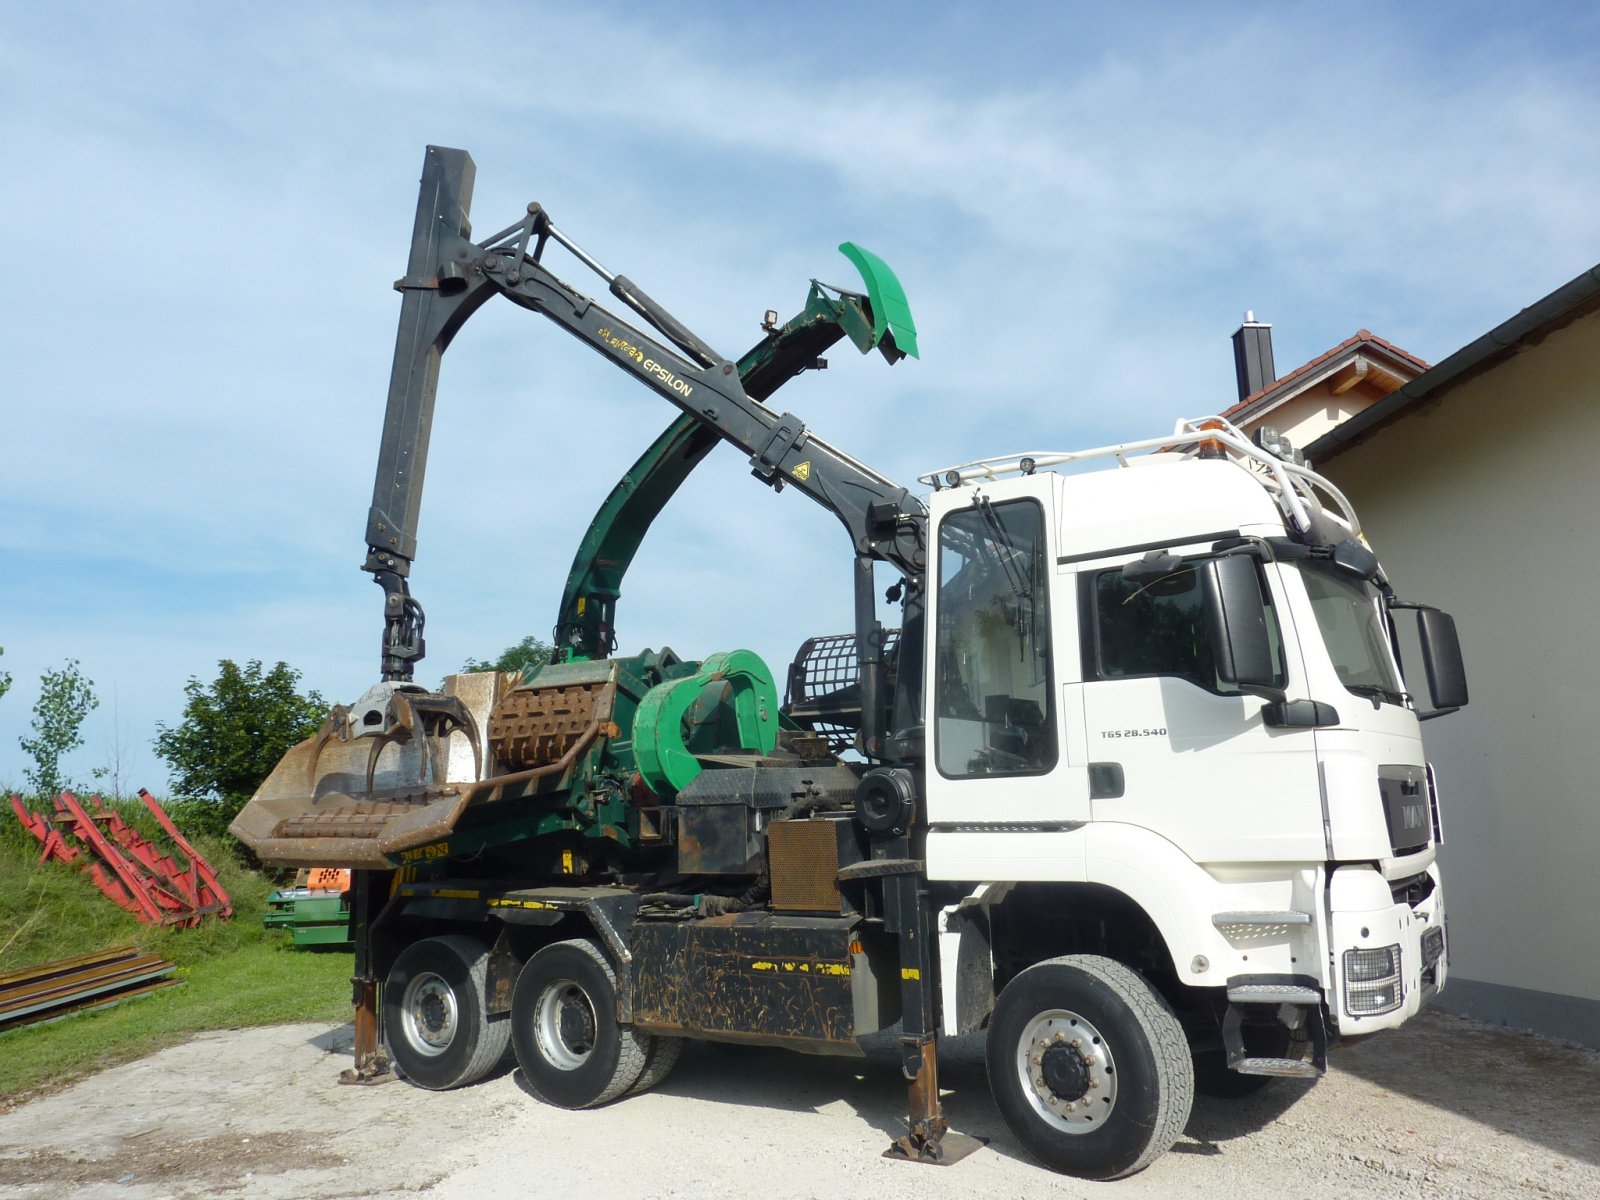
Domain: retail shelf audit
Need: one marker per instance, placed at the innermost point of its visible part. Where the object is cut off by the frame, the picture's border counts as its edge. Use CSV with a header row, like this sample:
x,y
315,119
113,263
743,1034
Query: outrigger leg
x,y
928,1137
372,1064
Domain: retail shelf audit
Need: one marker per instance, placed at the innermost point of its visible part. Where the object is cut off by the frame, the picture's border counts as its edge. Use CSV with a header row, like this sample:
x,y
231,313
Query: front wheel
x,y
1089,1067
564,1028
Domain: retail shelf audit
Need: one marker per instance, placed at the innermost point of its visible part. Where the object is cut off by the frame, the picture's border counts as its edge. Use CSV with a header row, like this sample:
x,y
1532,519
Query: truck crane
x,y
1092,794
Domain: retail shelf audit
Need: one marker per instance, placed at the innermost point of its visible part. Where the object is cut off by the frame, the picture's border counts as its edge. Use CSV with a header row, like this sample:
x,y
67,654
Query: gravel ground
x,y
1444,1108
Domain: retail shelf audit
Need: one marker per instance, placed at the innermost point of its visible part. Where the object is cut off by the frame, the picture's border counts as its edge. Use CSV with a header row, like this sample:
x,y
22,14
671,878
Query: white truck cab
x,y
1167,724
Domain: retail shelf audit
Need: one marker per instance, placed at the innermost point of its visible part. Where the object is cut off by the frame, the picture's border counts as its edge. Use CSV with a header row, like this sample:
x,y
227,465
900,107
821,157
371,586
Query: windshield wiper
x,y
1001,536
1373,691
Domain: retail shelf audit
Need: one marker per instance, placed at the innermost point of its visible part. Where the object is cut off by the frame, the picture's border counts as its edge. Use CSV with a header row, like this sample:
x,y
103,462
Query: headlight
x,y
1372,981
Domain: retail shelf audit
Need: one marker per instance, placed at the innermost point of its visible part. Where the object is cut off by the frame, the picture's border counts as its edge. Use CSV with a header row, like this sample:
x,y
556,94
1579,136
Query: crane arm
x,y
449,277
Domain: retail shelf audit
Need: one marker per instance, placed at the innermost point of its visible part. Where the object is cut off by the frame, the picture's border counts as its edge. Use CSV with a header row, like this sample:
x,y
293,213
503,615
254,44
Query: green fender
x,y
663,760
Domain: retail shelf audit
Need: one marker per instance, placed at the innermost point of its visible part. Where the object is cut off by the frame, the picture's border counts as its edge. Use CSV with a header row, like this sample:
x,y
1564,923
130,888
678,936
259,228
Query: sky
x,y
205,207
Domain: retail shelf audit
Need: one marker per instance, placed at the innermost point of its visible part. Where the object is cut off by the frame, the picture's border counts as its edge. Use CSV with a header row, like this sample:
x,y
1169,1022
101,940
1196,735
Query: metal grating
x,y
804,857
822,693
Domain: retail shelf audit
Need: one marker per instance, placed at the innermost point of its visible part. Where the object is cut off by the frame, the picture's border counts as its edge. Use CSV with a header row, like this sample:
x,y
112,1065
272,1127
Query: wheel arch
x,y
512,936
1001,930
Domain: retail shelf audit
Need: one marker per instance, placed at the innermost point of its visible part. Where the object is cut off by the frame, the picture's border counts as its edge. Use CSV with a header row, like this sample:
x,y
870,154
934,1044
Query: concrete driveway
x,y
1443,1108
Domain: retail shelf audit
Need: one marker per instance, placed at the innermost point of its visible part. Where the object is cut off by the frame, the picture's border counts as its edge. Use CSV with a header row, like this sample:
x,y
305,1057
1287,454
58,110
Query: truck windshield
x,y
1350,615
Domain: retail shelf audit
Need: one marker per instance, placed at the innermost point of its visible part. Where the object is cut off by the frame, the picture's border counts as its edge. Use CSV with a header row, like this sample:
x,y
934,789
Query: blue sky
x,y
205,206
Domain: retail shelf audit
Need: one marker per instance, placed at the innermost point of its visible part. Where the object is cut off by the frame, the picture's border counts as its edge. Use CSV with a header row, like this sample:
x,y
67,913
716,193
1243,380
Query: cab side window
x,y
1141,627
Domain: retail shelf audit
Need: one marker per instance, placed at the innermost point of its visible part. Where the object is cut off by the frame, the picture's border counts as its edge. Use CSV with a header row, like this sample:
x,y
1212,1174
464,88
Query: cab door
x,y
998,778
1173,749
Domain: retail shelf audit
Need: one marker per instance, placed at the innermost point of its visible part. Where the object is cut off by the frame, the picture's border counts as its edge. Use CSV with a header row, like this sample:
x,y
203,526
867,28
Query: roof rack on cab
x,y
1295,487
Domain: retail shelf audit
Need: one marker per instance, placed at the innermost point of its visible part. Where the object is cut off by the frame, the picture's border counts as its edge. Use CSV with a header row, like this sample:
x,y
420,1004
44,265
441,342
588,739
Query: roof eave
x,y
1568,302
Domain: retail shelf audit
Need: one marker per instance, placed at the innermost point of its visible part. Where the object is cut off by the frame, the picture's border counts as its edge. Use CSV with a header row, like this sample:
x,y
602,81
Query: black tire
x,y
664,1055
1109,1081
564,1028
434,1019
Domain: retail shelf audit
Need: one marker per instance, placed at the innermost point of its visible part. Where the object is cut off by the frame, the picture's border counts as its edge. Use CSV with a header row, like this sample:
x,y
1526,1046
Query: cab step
x,y
1292,1068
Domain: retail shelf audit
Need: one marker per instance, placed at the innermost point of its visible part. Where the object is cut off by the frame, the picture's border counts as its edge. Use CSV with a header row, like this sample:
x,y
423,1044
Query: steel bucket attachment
x,y
392,772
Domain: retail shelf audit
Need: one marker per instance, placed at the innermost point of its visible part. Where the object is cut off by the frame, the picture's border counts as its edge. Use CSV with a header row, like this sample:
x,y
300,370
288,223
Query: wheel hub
x,y
1066,1073
564,1025
1066,1070
429,1014
577,1025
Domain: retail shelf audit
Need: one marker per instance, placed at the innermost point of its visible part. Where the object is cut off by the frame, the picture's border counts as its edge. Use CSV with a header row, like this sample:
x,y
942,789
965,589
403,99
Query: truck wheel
x,y
434,1016
564,1028
664,1055
1089,1067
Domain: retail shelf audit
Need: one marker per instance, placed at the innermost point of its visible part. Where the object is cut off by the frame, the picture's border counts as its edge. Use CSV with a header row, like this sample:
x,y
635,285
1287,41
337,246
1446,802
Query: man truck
x,y
1133,785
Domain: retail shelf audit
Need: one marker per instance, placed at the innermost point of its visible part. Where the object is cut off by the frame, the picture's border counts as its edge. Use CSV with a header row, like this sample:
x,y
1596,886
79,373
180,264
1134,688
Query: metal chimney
x,y
1252,356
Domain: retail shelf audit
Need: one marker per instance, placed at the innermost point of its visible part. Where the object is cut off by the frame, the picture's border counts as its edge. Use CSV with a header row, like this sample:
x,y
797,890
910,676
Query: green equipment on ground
x,y
315,909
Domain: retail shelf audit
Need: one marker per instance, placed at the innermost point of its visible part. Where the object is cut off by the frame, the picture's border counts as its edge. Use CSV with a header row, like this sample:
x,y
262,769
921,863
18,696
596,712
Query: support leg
x,y
372,1064
928,1138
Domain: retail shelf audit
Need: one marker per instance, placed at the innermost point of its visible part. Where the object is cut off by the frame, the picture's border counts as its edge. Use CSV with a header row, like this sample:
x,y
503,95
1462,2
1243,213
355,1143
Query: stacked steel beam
x,y
74,985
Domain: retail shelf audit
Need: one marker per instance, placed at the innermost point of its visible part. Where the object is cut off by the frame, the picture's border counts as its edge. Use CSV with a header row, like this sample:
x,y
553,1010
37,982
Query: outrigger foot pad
x,y
369,1075
943,1150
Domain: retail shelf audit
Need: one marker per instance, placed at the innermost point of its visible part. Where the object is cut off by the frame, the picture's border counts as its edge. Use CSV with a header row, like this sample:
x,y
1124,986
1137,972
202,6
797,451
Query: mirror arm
x,y
1299,714
1270,694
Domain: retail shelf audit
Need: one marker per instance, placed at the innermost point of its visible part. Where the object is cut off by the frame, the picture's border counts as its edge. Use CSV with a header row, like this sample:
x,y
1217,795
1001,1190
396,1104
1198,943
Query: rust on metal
x,y
73,985
804,858
537,726
130,869
351,817
372,1064
928,1138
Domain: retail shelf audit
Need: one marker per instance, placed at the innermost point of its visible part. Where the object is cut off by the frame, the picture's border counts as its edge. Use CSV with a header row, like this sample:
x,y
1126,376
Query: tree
x,y
65,699
234,731
5,677
529,652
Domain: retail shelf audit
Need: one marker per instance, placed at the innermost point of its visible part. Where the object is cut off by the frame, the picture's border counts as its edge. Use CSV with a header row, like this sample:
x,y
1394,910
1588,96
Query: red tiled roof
x,y
1361,336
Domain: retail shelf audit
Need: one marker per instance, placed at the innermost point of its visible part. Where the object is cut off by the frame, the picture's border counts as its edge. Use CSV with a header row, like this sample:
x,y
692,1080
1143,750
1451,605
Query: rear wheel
x,y
664,1055
1089,1067
565,1032
434,1016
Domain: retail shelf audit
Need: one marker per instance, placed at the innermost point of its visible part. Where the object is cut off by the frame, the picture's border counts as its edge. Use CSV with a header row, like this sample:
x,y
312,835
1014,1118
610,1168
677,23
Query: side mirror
x,y
1439,648
1431,641
1237,619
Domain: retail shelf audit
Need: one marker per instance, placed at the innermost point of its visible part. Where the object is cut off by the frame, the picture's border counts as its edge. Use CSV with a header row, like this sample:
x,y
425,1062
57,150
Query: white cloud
x,y
198,327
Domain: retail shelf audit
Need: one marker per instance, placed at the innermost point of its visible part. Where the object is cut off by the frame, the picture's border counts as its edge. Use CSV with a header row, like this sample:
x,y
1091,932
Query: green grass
x,y
235,972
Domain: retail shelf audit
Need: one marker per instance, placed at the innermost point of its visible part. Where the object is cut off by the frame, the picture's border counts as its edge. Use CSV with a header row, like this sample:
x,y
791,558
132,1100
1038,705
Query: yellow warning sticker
x,y
803,968
803,471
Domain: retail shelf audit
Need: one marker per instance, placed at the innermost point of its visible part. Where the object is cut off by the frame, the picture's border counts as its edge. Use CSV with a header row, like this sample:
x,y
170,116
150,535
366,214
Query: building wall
x,y
1312,413
1485,504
